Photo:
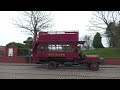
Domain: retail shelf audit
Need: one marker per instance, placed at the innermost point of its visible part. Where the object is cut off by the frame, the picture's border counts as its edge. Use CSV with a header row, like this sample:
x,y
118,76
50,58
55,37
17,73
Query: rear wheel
x,y
52,65
94,66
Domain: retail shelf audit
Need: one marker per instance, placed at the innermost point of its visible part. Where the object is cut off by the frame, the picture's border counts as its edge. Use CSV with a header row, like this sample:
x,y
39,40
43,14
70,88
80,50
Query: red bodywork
x,y
62,40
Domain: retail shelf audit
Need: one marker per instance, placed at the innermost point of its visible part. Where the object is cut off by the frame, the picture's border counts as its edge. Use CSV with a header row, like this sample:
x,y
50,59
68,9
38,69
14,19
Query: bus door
x,y
41,50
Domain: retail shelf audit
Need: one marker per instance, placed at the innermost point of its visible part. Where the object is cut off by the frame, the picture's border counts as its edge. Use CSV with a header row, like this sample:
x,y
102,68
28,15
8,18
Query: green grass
x,y
104,52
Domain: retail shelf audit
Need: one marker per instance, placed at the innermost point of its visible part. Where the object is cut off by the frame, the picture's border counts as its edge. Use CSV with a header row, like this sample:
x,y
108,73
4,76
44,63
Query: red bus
x,y
55,48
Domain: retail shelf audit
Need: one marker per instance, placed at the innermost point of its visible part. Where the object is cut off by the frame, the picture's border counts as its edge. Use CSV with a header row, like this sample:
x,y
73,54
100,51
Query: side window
x,y
68,48
41,47
55,48
59,48
51,48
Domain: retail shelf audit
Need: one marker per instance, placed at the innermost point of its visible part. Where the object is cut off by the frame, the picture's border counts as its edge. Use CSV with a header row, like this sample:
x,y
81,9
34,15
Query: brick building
x,y
8,54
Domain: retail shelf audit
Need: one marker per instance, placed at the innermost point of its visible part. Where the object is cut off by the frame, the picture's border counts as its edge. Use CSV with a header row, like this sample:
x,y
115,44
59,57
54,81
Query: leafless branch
x,y
34,21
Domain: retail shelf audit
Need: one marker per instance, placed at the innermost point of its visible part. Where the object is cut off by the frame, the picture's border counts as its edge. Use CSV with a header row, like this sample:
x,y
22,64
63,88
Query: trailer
x,y
61,48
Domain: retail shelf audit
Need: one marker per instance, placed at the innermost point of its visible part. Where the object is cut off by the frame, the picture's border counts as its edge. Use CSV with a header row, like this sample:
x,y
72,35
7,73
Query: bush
x,y
104,52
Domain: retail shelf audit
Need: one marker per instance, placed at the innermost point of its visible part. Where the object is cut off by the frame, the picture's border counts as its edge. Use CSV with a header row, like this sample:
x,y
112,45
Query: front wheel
x,y
94,66
52,65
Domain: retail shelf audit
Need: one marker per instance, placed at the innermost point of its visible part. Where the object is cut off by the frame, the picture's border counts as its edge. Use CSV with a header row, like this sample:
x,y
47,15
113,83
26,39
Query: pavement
x,y
36,71
32,64
109,66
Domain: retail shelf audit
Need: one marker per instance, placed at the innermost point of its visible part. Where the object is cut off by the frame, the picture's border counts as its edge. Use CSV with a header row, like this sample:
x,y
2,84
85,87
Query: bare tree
x,y
34,21
88,43
101,21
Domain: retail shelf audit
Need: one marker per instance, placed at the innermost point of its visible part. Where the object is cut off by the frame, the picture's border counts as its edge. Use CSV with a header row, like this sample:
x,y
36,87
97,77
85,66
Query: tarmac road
x,y
36,71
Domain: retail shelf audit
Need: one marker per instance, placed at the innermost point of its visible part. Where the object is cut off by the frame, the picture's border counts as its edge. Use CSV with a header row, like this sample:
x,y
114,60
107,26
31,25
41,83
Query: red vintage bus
x,y
55,48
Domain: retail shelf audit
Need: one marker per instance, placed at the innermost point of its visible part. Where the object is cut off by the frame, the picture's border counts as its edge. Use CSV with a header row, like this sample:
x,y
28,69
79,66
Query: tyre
x,y
94,66
52,65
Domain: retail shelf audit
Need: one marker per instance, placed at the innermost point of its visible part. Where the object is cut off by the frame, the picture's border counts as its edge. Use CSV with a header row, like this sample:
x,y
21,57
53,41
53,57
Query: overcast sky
x,y
62,20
